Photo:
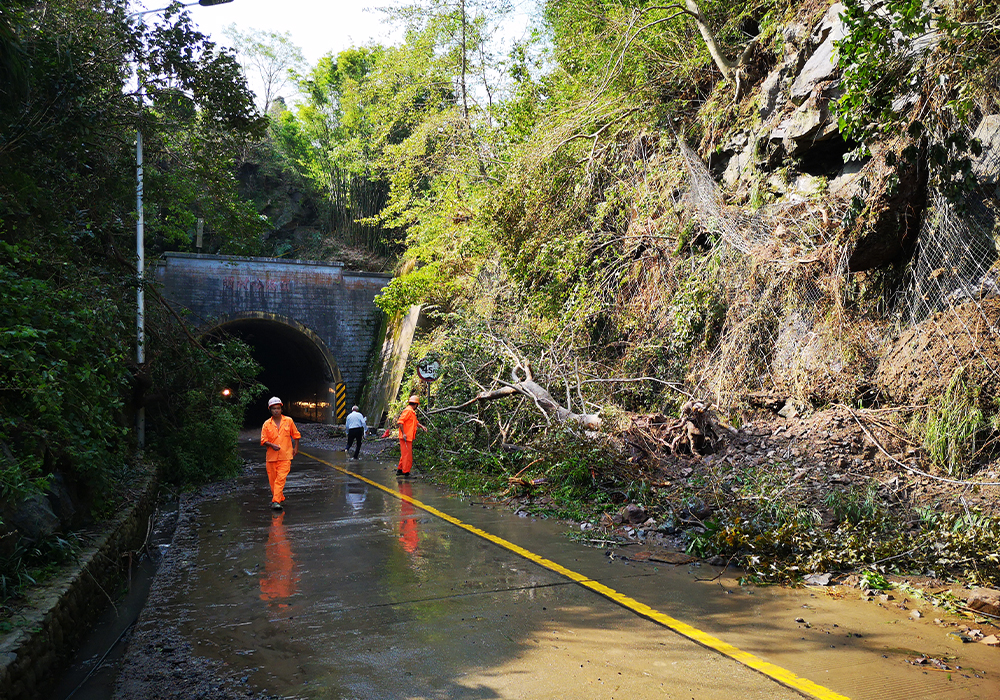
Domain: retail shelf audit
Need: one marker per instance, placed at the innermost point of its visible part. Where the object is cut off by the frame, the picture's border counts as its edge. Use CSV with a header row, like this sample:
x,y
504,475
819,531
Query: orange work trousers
x,y
277,472
405,455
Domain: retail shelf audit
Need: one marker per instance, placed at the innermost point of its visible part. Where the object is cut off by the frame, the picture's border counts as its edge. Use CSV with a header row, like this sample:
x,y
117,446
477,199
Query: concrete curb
x,y
57,615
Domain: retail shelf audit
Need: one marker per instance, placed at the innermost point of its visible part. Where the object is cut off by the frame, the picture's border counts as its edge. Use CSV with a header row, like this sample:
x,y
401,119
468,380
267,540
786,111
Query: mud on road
x,y
159,662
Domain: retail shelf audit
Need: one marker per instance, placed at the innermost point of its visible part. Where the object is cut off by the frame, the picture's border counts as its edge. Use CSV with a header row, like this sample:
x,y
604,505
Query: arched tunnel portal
x,y
296,365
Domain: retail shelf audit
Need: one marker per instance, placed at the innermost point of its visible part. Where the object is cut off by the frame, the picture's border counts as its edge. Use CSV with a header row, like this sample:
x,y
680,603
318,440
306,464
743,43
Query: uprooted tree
x,y
540,397
695,431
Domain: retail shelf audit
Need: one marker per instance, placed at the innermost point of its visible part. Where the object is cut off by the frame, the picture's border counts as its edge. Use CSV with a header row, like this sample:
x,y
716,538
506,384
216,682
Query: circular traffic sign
x,y
429,368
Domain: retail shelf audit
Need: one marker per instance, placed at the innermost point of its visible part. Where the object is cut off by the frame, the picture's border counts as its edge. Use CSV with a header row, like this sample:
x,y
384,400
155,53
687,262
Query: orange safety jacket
x,y
407,424
280,435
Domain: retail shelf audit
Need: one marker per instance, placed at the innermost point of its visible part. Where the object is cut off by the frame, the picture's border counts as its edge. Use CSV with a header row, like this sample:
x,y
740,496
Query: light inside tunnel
x,y
311,405
293,368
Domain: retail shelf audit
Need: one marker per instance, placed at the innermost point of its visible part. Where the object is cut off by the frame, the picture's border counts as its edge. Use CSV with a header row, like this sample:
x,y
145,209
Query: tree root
x,y
696,433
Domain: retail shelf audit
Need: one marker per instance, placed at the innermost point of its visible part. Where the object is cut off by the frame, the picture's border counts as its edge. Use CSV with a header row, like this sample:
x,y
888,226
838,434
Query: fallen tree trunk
x,y
539,395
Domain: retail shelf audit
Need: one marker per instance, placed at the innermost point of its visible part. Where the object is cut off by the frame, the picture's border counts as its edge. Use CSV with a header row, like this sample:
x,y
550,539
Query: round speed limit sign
x,y
429,369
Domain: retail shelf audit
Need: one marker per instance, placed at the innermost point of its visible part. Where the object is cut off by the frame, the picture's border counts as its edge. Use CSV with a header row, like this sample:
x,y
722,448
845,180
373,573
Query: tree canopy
x,y
79,80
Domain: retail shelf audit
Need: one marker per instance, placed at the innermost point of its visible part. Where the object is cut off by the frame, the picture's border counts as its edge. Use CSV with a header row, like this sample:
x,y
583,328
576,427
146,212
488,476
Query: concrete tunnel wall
x,y
315,304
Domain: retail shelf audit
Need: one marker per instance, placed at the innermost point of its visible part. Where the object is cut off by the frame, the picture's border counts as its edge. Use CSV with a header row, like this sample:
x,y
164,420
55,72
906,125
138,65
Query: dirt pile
x,y
922,361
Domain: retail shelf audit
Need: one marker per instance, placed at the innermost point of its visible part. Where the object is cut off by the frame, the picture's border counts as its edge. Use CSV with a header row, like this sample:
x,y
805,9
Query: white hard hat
x,y
273,400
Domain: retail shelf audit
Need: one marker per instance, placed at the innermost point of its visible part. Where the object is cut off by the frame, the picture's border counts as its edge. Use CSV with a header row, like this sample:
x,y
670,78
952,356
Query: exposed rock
x,y
795,34
812,122
696,508
632,515
739,142
773,87
736,154
789,410
892,232
986,600
778,182
847,179
987,165
810,186
298,207
822,65
34,518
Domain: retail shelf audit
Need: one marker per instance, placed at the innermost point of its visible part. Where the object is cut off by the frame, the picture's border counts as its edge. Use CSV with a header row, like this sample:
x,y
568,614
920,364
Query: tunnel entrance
x,y
296,366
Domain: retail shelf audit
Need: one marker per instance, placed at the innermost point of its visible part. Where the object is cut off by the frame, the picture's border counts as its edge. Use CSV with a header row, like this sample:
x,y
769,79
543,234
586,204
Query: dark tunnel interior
x,y
293,368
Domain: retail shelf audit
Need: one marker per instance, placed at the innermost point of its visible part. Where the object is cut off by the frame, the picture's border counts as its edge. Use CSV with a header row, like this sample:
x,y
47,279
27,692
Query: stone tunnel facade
x,y
333,307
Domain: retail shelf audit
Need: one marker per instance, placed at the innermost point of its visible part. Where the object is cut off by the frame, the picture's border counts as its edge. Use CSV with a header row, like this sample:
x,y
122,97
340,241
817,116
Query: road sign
x,y
341,405
429,368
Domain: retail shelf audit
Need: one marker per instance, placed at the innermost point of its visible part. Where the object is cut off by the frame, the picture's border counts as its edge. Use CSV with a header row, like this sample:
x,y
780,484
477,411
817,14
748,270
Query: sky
x,y
317,27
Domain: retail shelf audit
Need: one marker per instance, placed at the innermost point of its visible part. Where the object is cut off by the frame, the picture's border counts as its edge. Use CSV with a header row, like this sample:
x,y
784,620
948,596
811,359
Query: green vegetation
x,y
946,546
533,202
544,229
952,424
69,384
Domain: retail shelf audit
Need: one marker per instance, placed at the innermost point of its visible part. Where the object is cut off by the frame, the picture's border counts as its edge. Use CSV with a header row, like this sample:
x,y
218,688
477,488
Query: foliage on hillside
x,y
566,214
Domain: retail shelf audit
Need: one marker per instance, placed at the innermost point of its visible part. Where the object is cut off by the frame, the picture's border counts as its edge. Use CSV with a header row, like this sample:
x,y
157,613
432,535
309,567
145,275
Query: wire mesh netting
x,y
783,275
787,330
952,311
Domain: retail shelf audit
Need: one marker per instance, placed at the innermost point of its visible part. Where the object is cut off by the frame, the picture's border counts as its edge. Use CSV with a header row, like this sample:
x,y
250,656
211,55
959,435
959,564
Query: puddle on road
x,y
352,593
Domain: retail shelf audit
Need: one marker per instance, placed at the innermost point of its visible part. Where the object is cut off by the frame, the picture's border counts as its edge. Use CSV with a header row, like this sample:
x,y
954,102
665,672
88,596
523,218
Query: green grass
x,y
855,505
951,424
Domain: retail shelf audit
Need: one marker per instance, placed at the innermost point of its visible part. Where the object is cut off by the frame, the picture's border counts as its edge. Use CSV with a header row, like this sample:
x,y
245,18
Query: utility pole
x,y
465,97
140,234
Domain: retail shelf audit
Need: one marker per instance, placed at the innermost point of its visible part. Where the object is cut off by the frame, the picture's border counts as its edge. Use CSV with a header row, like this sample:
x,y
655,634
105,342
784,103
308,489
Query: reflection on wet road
x,y
407,520
279,578
355,593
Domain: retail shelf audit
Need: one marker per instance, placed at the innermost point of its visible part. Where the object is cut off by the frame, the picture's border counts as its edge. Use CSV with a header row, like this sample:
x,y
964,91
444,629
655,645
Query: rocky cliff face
x,y
855,277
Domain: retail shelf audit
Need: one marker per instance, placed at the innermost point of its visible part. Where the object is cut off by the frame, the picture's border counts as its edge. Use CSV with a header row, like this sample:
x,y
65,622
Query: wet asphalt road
x,y
353,593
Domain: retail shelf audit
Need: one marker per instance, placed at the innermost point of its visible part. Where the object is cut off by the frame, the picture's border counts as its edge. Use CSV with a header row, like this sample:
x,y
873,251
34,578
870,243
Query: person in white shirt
x,y
356,425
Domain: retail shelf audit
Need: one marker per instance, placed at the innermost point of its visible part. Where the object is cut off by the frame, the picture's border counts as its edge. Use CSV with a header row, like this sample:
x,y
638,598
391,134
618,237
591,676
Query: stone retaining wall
x,y
58,615
387,370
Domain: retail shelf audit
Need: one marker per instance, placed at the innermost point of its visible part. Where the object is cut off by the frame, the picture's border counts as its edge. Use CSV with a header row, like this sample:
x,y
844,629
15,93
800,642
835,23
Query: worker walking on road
x,y
281,438
356,425
408,425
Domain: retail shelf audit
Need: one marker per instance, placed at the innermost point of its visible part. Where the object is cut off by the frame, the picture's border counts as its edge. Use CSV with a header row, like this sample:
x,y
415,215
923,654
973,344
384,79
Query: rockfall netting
x,y
783,276
951,319
787,332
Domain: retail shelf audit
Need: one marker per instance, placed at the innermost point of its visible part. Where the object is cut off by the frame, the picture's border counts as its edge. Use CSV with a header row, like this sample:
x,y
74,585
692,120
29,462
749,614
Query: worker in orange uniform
x,y
408,425
281,438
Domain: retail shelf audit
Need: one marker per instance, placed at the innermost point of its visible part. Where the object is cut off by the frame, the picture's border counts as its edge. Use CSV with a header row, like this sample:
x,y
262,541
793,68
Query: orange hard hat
x,y
414,400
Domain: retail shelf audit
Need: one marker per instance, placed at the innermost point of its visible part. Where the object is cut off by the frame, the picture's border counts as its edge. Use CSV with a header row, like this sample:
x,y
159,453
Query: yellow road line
x,y
781,675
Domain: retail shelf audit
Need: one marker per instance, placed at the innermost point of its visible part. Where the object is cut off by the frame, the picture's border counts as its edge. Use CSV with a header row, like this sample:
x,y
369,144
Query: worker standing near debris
x,y
281,438
355,424
408,425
